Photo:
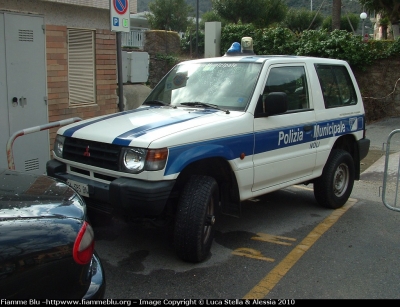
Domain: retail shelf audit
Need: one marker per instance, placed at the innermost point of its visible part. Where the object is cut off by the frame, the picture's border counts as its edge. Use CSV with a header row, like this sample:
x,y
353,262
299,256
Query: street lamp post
x,y
197,28
363,16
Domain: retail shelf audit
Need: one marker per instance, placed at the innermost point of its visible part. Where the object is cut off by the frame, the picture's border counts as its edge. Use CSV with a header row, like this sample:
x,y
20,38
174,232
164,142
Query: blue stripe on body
x,y
71,131
294,135
275,139
126,138
329,128
230,148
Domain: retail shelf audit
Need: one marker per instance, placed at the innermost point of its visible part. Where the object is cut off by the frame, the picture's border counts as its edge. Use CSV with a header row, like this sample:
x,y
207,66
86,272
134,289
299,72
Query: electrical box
x,y
23,92
139,67
125,66
212,40
135,67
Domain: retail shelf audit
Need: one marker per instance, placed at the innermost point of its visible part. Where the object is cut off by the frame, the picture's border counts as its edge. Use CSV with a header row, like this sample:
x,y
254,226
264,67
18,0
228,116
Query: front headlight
x,y
135,160
59,145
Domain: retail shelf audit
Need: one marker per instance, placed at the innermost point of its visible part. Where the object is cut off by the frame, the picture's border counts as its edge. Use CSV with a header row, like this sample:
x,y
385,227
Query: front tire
x,y
195,218
333,188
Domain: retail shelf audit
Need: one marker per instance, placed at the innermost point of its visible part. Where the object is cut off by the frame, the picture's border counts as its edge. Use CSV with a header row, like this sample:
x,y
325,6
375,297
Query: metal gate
x,y
391,177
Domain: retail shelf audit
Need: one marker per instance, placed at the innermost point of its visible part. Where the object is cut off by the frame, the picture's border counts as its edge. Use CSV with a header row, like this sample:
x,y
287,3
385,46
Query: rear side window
x,y
336,85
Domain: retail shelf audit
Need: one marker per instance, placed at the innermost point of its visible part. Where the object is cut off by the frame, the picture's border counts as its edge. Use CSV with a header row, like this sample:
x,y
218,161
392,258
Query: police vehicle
x,y
215,132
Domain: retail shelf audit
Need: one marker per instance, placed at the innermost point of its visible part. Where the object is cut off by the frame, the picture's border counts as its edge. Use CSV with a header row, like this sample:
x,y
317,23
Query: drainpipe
x,y
120,80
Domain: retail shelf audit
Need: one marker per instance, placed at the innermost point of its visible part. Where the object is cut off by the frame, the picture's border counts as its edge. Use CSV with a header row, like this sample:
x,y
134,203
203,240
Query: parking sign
x,y
120,15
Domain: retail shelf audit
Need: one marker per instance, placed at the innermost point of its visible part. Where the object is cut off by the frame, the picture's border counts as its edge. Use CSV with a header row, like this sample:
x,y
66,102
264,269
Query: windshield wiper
x,y
158,103
204,104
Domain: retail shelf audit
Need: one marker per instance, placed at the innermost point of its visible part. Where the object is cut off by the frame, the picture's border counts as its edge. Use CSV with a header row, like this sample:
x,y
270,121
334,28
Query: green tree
x,y
336,12
188,42
171,15
260,13
344,23
388,8
211,16
299,20
384,23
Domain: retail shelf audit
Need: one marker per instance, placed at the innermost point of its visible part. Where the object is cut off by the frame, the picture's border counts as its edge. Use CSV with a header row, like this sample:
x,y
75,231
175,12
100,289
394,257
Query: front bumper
x,y
138,197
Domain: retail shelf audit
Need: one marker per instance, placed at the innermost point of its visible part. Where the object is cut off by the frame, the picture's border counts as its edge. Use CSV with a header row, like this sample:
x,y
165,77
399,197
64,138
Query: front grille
x,y
92,153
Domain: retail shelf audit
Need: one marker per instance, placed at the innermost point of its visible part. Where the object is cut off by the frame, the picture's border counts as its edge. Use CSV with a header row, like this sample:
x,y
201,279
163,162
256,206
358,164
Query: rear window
x,y
336,85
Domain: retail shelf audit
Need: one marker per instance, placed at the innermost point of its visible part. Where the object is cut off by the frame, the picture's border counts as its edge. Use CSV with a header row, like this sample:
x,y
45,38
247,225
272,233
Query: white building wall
x,y
61,14
95,14
102,4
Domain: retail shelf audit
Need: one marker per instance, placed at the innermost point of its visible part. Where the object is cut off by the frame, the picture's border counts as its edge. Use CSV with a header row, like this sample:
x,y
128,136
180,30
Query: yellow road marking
x,y
269,281
272,239
251,253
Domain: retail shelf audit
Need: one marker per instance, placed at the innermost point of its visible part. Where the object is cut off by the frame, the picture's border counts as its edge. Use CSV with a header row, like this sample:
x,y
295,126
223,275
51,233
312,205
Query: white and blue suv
x,y
215,132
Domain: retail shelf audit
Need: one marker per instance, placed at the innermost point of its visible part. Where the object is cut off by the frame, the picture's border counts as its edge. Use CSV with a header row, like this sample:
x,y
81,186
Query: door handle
x,y
307,128
22,101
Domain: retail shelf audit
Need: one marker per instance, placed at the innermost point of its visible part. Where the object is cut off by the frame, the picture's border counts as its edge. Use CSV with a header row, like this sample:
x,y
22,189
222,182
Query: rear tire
x,y
333,188
195,219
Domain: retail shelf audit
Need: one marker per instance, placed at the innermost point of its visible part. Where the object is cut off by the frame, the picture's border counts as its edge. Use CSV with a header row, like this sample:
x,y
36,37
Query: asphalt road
x,y
283,246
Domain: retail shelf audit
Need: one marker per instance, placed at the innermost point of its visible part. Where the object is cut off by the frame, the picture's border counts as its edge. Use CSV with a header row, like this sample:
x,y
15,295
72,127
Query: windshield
x,y
224,85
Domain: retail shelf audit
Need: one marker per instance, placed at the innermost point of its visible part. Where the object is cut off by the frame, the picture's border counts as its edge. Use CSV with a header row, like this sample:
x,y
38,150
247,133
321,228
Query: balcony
x,y
133,39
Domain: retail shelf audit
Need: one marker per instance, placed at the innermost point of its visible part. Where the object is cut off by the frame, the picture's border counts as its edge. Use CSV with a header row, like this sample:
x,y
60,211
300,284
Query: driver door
x,y
284,149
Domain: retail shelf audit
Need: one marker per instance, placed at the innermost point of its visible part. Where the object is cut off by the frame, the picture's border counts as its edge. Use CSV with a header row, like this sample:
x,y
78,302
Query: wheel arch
x,y
220,169
182,156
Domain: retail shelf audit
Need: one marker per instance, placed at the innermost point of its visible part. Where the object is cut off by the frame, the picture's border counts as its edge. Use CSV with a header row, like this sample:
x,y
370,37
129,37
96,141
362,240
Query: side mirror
x,y
272,104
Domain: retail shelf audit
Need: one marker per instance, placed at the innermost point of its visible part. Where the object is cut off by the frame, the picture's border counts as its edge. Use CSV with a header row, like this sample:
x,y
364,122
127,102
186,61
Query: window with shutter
x,y
81,67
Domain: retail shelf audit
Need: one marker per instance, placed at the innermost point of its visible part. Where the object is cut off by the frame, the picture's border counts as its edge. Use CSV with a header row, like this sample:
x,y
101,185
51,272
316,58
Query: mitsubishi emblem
x,y
86,153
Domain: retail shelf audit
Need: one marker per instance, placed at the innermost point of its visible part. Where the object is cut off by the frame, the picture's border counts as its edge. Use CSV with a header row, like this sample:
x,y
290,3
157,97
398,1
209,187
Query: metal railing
x,y
134,38
386,176
10,142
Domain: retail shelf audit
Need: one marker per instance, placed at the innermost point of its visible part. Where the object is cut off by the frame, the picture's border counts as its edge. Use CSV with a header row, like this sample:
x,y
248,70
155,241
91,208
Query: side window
x,y
292,81
336,85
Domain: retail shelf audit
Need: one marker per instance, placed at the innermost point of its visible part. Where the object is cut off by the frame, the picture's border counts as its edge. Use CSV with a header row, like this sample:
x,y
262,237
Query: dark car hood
x,y
33,196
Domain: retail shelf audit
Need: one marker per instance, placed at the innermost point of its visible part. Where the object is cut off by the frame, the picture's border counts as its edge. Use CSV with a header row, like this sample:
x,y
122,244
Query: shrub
x,y
188,42
338,44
